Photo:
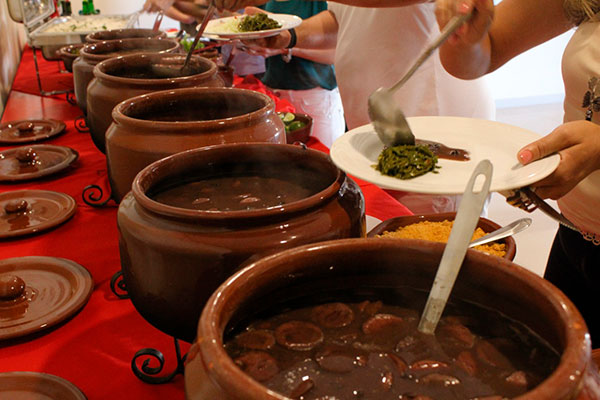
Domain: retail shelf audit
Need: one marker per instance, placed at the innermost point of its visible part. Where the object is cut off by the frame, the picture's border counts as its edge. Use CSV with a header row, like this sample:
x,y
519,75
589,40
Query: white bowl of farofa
x,y
436,227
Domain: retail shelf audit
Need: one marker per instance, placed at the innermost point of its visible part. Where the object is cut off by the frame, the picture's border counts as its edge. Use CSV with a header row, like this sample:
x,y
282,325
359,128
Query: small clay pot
x,y
93,53
69,53
301,134
150,127
365,267
485,224
173,258
124,77
128,33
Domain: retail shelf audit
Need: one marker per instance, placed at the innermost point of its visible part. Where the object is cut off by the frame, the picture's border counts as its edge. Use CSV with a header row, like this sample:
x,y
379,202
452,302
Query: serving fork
x,y
526,199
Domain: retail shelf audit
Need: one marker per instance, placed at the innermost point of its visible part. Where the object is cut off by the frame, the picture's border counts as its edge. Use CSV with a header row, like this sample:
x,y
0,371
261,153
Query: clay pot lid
x,y
39,292
23,212
32,162
37,386
29,130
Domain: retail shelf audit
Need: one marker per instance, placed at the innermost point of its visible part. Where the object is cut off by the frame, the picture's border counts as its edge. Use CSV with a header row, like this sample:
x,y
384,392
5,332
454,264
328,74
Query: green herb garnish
x,y
407,161
257,22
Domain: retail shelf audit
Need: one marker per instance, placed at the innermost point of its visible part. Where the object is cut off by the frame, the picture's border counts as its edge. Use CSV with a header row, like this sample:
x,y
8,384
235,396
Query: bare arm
x,y
493,36
239,4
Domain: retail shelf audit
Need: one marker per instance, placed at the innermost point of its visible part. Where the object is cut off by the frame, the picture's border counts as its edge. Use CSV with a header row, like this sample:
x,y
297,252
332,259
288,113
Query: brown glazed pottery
x,y
33,162
301,134
39,292
485,224
128,33
350,267
173,257
93,53
149,127
30,130
124,77
69,53
23,385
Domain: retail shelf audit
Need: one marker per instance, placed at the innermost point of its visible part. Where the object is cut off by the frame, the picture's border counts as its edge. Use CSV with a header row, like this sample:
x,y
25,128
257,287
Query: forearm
x,y
322,56
382,3
318,32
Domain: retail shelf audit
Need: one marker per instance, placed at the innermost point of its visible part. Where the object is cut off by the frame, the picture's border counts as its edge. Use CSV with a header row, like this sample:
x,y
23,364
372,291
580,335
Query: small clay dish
x,y
128,33
33,162
68,54
39,292
301,134
23,212
29,130
37,385
485,224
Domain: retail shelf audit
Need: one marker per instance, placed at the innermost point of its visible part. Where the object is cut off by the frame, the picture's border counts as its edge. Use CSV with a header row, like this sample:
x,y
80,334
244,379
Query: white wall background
x,y
531,78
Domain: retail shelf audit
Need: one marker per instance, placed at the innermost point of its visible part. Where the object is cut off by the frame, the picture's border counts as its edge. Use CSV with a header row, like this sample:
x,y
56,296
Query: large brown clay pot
x,y
128,33
93,53
173,258
150,127
121,78
357,267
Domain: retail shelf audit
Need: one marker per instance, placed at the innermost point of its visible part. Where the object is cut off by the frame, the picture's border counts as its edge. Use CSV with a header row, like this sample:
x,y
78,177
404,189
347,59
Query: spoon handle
x,y
450,27
508,230
456,248
201,28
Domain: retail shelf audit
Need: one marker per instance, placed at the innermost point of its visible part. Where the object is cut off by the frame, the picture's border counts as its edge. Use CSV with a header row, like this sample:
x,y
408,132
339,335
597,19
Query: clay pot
x,y
93,53
301,134
173,258
392,224
121,78
69,53
150,127
371,265
129,33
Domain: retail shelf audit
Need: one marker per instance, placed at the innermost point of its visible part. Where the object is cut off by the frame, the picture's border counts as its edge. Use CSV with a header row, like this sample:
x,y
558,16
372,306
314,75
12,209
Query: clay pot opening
x,y
208,109
116,34
112,48
309,169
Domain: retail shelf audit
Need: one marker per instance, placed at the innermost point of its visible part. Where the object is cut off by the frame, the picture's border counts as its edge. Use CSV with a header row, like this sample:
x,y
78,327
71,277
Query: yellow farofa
x,y
439,232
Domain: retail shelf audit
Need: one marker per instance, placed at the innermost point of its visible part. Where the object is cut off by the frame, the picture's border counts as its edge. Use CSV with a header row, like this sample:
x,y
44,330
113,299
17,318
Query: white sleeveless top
x,y
581,61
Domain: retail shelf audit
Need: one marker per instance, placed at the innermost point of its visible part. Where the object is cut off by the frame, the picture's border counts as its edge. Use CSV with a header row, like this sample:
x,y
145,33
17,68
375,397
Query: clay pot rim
x,y
64,51
120,117
101,66
151,34
93,57
139,185
226,374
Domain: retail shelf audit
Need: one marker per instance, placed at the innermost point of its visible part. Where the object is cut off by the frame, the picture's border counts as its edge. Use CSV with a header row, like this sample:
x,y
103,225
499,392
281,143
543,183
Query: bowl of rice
x,y
437,227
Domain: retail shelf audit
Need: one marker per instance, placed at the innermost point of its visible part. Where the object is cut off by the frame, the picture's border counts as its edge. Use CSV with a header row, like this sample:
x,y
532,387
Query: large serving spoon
x,y
500,233
463,227
388,120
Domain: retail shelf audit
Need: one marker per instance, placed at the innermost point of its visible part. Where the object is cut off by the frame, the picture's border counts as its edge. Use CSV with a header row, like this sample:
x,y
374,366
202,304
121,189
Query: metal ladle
x,y
388,120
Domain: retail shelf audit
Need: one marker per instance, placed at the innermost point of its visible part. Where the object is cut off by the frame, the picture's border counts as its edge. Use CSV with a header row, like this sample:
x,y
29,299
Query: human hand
x,y
234,5
279,41
475,28
578,144
157,5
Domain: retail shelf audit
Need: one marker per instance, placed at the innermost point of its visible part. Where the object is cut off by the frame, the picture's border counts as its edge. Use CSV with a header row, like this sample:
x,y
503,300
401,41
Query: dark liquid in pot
x,y
234,193
157,71
371,350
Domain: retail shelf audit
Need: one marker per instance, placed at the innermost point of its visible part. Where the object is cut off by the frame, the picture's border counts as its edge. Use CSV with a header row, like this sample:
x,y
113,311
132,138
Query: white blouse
x,y
580,63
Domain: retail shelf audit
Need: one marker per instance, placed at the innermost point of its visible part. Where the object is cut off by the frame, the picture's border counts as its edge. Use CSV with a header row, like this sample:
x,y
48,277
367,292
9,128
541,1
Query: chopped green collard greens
x,y
407,161
257,22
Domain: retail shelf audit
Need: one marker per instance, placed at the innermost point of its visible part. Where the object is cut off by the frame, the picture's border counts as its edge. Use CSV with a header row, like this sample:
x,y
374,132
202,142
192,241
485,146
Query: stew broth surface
x,y
371,350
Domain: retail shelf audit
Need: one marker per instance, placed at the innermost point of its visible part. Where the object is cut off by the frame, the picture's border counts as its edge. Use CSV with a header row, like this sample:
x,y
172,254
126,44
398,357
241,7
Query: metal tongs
x,y
158,20
526,199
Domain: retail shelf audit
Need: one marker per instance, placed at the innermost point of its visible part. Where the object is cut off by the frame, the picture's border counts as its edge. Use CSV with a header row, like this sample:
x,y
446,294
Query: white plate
x,y
356,152
222,27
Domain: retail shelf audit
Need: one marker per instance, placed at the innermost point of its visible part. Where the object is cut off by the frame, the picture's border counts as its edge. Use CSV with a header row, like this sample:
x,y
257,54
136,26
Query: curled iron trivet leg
x,y
92,196
70,96
146,373
117,285
81,125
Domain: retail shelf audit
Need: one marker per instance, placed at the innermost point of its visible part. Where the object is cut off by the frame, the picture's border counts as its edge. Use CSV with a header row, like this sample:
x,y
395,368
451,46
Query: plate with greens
x,y
357,153
251,26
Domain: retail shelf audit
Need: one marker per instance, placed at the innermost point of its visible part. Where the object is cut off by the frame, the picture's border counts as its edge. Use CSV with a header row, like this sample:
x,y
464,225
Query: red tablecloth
x,y
94,348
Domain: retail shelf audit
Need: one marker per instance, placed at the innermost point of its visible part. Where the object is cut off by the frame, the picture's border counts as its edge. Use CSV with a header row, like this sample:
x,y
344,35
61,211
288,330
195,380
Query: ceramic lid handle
x,y
11,287
26,155
25,127
16,206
